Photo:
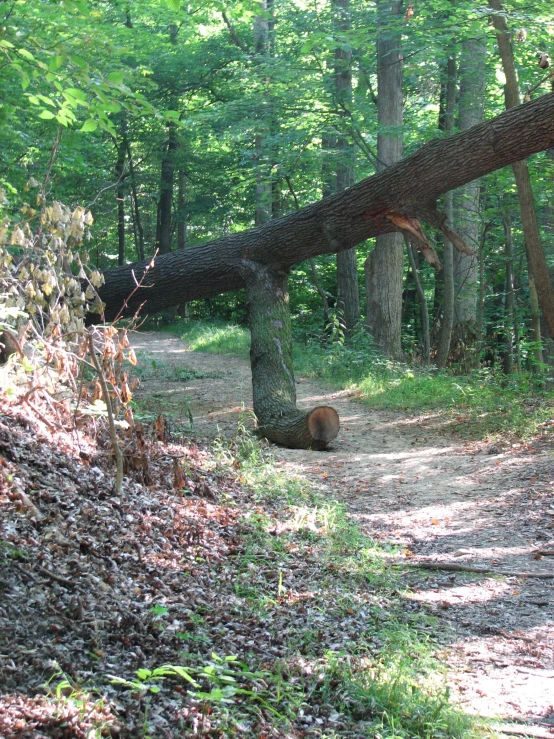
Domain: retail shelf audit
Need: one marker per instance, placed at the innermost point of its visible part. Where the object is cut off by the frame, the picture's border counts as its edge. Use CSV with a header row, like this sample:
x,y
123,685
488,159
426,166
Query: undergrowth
x,y
481,405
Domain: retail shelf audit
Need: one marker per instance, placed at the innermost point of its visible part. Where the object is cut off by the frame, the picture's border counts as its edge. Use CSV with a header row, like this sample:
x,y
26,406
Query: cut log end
x,y
323,423
297,430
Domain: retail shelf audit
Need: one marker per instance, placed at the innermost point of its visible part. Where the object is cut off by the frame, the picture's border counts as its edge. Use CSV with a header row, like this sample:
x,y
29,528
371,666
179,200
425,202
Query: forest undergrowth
x,y
215,595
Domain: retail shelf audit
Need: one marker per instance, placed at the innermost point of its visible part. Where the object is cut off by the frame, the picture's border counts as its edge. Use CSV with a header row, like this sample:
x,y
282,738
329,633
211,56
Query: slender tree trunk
x,y
509,297
535,318
182,211
466,200
425,333
384,268
480,322
262,51
165,202
447,318
120,197
137,220
535,252
348,294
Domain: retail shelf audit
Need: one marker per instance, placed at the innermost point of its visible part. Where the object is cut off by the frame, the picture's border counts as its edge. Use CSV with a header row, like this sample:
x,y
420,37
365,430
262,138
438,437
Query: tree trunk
x,y
535,318
120,197
384,268
182,211
446,123
425,333
348,294
535,252
509,297
273,386
136,210
163,233
466,200
264,191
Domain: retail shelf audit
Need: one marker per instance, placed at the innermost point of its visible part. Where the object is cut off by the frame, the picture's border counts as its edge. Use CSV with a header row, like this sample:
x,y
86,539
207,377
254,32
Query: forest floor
x,y
235,588
411,481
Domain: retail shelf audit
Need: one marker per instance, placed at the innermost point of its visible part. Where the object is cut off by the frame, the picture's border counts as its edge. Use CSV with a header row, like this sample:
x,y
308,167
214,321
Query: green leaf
x,y
47,115
115,78
89,126
81,63
77,94
6,44
55,63
174,4
26,54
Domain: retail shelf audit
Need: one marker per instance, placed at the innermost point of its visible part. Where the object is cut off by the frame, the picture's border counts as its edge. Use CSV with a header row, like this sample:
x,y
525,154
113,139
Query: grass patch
x,y
482,404
215,337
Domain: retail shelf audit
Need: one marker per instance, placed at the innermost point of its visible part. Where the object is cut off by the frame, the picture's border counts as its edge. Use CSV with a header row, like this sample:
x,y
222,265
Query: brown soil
x,y
410,480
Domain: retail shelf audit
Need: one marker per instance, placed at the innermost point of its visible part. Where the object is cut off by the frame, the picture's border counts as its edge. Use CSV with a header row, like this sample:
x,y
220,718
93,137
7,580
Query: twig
x,y
40,415
57,578
111,422
233,33
530,731
22,495
455,567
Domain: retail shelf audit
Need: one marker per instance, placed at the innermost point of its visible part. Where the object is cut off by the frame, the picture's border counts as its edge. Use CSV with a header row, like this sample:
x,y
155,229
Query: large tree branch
x,y
342,221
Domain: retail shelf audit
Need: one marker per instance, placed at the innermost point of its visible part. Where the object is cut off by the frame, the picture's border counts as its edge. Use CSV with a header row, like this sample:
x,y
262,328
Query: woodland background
x,y
177,125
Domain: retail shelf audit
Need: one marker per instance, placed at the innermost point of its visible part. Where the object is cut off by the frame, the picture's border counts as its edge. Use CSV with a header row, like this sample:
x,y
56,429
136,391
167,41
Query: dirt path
x,y
411,481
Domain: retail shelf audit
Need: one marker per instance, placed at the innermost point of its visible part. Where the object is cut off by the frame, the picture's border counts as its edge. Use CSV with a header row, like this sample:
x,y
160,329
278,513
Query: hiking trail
x,y
411,481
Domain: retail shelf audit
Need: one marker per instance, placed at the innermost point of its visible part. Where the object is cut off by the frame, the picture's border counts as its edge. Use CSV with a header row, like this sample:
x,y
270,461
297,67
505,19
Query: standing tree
x,y
348,295
538,268
384,268
466,200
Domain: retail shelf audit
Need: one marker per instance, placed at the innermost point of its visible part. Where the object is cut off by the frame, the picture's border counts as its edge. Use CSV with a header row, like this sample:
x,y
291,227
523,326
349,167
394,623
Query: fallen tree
x,y
260,259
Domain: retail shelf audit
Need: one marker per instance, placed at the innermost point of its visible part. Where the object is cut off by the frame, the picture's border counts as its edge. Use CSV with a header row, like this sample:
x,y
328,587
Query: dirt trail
x,y
411,481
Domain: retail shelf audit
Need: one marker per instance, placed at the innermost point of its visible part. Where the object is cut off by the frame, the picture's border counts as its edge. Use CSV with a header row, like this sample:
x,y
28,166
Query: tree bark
x,y
348,294
411,187
535,252
163,232
137,220
182,211
425,333
509,298
466,200
384,268
446,123
120,197
262,52
273,386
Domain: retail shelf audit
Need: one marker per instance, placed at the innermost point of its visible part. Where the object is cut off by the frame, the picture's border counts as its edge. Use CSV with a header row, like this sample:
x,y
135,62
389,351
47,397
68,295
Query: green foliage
x,y
215,337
